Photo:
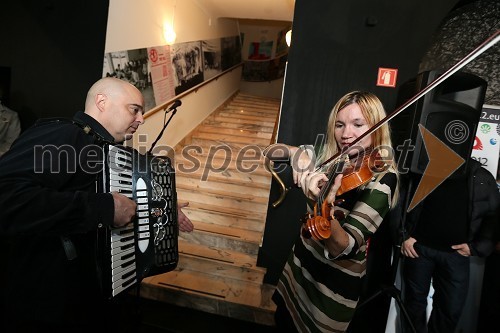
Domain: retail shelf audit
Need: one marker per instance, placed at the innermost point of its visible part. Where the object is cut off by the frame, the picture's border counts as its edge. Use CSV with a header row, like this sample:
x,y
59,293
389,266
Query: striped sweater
x,y
321,293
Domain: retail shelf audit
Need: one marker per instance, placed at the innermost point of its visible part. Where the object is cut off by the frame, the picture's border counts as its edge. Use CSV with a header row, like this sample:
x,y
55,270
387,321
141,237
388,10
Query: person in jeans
x,y
455,221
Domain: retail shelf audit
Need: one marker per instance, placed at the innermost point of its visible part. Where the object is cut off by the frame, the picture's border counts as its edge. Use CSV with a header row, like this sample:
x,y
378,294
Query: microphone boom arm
x,y
172,109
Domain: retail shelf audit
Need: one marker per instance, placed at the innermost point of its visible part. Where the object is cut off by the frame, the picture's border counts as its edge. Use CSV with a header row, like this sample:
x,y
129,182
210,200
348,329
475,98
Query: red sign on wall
x,y
387,77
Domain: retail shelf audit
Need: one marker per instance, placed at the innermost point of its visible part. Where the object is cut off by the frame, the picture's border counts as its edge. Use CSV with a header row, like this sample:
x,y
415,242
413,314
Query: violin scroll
x,y
319,226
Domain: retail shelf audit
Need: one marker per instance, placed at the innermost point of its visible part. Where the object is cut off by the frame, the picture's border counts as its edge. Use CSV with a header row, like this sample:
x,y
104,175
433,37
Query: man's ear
x,y
100,100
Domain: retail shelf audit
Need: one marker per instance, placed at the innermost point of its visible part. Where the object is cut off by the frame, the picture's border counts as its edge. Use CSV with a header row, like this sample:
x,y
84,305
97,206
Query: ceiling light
x,y
288,37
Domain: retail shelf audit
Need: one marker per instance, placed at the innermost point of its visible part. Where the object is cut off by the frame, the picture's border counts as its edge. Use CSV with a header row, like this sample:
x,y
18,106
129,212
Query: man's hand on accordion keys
x,y
125,213
125,209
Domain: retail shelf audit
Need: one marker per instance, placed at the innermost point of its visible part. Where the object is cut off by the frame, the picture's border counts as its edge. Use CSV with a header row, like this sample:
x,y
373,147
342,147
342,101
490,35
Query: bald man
x,y
50,211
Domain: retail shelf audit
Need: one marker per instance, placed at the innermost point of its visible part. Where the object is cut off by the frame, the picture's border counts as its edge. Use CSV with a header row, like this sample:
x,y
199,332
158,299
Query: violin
x,y
354,175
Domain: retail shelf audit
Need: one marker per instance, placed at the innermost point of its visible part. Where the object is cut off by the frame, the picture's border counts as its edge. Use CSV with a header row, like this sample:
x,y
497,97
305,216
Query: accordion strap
x,y
88,130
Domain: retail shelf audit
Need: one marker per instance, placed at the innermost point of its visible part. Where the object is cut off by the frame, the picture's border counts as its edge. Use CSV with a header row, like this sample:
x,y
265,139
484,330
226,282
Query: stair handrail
x,y
164,105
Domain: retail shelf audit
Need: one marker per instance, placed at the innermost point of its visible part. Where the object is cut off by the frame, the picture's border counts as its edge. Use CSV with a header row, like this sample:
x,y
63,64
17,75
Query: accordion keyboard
x,y
149,245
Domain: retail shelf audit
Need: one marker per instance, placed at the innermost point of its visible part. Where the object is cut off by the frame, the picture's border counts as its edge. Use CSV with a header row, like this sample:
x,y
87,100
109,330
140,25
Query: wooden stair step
x,y
231,139
260,122
200,263
242,163
232,143
256,102
228,150
224,210
267,108
207,292
227,125
235,132
221,237
242,95
229,200
219,150
251,110
228,257
220,158
198,212
228,176
250,116
244,192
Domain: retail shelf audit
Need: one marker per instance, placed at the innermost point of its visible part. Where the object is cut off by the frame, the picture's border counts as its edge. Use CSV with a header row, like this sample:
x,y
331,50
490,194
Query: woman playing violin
x,y
321,283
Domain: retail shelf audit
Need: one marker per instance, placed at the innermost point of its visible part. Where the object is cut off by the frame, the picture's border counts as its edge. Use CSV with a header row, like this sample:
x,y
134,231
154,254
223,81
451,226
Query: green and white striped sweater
x,y
321,293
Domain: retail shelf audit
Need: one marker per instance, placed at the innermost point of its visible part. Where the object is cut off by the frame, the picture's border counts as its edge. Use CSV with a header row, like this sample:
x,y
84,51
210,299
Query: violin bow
x,y
489,42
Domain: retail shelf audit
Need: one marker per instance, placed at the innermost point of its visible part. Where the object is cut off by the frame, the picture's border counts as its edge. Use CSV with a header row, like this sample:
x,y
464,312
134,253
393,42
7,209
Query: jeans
x,y
449,272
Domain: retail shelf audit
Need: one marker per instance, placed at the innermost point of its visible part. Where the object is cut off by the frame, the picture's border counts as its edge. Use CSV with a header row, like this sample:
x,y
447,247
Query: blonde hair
x,y
373,111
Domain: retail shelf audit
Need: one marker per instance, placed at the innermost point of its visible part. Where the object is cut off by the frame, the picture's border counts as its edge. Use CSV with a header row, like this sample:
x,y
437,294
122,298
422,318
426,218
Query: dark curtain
x,y
55,50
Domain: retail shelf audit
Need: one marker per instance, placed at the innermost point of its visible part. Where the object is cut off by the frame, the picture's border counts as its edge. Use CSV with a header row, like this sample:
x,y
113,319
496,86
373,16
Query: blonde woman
x,y
321,282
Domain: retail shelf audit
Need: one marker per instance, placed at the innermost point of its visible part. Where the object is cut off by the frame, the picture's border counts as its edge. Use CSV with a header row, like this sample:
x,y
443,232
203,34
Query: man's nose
x,y
140,118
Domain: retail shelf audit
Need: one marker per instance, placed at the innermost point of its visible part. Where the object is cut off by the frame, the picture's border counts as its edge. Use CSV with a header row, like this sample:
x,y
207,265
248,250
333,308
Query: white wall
x,y
271,89
136,24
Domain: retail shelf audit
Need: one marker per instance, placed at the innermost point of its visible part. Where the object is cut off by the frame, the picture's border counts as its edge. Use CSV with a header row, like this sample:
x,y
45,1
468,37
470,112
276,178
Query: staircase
x,y
222,176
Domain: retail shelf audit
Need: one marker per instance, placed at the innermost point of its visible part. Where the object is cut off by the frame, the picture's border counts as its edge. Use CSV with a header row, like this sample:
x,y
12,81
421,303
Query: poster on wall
x,y
231,52
262,71
486,149
186,65
211,58
131,66
162,76
260,50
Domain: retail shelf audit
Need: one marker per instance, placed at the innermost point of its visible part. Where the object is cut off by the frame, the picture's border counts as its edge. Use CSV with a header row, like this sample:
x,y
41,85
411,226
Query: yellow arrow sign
x,y
443,161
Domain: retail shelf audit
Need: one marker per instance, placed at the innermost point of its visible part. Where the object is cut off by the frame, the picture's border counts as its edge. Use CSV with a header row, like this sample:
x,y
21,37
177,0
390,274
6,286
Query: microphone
x,y
174,106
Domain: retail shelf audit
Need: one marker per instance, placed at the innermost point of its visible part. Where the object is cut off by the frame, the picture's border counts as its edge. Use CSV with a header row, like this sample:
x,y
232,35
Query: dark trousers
x,y
449,272
282,318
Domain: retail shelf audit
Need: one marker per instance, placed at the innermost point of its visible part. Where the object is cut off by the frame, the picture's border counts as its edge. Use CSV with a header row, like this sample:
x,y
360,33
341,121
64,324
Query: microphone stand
x,y
173,112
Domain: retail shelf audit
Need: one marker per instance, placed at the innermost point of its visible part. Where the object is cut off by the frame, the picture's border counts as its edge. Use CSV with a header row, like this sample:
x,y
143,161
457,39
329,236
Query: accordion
x,y
149,245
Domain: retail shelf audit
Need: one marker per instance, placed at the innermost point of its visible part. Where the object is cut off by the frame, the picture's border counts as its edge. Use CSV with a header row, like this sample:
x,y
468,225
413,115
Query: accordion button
x,y
140,184
143,245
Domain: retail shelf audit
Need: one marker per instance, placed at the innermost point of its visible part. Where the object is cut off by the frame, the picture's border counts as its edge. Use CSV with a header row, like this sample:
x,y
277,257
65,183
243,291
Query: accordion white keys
x,y
149,245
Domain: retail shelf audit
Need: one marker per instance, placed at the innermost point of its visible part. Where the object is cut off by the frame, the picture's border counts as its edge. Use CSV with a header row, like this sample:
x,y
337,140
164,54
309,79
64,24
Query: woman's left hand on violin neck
x,y
312,183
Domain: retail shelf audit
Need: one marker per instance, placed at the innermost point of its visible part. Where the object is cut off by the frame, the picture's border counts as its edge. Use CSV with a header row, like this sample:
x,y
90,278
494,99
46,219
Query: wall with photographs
x,y
164,72
138,52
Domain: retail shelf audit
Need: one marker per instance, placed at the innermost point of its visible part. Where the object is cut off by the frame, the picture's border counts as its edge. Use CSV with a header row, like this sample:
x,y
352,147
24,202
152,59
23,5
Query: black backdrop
x,y
338,46
55,50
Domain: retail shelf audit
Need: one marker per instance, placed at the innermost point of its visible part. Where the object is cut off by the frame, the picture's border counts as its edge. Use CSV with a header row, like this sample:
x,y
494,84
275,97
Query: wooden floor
x,y
133,314
223,178
159,317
